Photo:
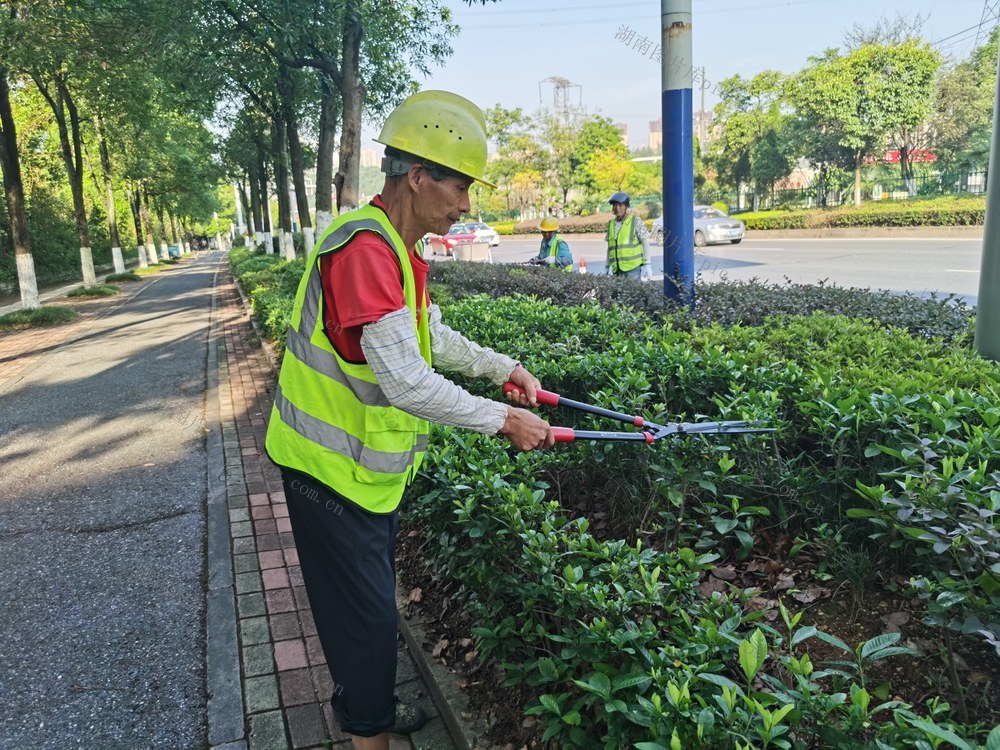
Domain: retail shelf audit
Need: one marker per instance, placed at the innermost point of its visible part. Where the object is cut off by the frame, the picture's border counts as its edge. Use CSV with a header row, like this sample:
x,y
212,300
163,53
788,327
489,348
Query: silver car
x,y
711,227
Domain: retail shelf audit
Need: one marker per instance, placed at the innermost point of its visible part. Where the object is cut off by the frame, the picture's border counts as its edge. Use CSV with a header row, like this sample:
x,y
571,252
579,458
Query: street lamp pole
x,y
987,336
678,153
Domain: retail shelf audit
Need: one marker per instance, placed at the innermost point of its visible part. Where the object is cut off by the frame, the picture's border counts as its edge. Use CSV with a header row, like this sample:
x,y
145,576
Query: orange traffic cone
x,y
583,265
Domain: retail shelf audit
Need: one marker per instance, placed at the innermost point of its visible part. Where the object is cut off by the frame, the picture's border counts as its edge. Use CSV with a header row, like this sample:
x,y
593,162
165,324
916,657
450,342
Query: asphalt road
x,y
102,530
919,266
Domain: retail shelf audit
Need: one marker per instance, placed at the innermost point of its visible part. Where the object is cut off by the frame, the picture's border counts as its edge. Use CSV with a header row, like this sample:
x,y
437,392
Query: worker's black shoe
x,y
408,719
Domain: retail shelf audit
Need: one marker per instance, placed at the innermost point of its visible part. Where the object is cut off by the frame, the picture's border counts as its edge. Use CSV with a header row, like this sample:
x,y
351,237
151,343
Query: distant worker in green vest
x,y
554,250
358,387
628,241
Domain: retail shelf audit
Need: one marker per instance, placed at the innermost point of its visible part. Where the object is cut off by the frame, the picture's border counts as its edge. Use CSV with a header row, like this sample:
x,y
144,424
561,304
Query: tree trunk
x,y
857,177
10,165
279,155
109,195
175,235
265,201
162,226
135,204
294,148
148,223
256,222
906,169
61,102
324,155
245,203
352,94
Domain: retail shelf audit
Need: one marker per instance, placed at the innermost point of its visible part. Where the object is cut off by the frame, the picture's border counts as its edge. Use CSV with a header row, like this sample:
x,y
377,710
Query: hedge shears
x,y
649,432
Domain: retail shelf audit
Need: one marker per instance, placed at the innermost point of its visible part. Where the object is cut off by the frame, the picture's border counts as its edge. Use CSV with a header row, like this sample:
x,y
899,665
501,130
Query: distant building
x,y
656,134
701,128
623,129
369,157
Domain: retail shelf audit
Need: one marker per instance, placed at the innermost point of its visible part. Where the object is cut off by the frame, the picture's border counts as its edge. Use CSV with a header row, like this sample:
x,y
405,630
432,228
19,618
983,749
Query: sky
x,y
506,50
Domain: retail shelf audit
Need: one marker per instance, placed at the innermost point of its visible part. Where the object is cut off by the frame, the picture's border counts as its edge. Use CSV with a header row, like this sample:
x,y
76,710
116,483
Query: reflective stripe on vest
x,y
331,419
624,256
554,251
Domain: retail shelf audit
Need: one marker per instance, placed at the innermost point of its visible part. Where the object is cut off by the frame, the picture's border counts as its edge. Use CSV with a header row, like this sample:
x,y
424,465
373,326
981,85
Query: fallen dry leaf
x,y
811,594
726,574
895,621
784,582
710,585
439,648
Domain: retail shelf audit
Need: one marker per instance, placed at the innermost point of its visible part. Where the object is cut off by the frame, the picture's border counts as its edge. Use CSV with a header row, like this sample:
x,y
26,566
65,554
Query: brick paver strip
x,y
286,684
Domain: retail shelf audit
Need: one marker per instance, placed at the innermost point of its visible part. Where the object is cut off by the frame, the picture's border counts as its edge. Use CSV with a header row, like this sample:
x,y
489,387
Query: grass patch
x,y
102,290
151,269
39,318
127,276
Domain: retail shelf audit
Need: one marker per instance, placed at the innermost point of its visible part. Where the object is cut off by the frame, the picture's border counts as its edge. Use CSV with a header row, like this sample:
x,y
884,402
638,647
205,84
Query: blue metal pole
x,y
678,153
987,336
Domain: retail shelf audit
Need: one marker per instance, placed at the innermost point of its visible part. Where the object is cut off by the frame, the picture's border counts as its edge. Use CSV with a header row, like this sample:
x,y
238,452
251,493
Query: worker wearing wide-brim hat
x,y
554,251
359,383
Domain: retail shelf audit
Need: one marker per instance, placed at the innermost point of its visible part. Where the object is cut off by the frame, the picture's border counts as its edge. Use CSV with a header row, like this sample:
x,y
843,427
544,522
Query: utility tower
x,y
560,95
990,18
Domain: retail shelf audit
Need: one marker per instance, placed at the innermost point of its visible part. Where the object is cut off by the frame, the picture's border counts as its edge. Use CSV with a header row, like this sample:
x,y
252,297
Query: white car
x,y
484,232
711,227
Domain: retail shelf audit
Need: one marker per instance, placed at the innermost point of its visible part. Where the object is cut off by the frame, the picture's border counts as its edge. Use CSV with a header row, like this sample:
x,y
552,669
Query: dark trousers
x,y
348,565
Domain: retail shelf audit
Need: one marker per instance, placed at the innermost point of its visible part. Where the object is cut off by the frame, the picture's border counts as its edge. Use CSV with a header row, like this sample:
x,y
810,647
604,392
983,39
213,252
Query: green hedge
x,y
946,211
581,566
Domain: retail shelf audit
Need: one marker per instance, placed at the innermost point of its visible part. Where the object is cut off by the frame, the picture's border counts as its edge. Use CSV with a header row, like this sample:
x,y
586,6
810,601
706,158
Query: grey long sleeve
x,y
391,349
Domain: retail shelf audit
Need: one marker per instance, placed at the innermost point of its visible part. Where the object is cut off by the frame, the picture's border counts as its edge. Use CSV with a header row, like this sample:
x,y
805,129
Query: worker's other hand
x,y
527,384
550,260
526,431
645,274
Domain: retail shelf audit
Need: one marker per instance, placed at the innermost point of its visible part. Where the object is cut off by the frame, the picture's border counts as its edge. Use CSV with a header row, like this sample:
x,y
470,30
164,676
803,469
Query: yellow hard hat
x,y
548,224
442,127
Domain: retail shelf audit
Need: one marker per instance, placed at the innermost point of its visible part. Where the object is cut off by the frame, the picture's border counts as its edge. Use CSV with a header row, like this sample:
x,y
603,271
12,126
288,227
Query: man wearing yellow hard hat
x,y
554,251
359,384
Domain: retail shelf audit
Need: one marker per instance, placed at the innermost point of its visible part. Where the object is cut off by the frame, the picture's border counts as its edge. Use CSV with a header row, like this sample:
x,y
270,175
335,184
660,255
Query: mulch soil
x,y
853,614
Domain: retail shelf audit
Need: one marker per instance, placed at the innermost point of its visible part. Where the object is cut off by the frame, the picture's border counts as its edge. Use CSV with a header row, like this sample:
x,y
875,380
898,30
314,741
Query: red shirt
x,y
363,282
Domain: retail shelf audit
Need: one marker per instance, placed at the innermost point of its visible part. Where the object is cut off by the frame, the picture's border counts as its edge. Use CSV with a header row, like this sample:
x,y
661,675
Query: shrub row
x,y
881,434
947,211
749,303
611,634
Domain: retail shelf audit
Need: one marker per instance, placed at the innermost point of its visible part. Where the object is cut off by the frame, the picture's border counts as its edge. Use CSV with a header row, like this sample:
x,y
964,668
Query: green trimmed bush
x,y
939,211
102,290
41,317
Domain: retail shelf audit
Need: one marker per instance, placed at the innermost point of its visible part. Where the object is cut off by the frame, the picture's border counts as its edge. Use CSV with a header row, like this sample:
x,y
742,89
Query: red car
x,y
444,244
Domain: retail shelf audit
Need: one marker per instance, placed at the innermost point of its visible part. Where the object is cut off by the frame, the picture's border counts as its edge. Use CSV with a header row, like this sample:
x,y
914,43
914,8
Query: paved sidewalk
x,y
285,682
149,612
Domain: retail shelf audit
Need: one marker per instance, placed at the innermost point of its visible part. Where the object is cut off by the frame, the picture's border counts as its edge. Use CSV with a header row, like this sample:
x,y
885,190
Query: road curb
x,y
226,718
452,704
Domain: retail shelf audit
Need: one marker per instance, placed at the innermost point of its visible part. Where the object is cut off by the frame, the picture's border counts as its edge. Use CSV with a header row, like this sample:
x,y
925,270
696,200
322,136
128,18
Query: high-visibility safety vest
x,y
331,419
554,251
624,248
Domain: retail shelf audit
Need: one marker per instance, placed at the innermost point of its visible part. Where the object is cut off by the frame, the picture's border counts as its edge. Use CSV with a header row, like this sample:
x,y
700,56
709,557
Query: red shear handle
x,y
563,434
543,397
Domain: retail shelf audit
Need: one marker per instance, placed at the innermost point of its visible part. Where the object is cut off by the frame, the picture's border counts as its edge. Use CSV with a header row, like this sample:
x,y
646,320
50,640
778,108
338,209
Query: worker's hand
x,y
550,260
645,274
526,431
527,384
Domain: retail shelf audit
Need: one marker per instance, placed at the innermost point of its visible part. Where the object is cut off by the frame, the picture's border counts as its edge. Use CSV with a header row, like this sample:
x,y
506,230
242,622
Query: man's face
x,y
441,203
619,210
547,236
